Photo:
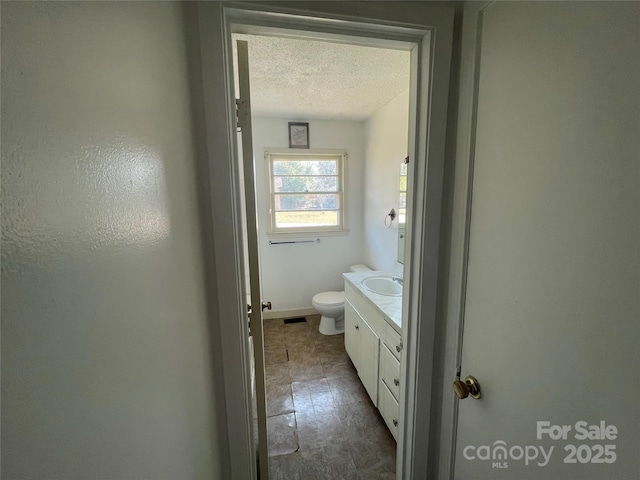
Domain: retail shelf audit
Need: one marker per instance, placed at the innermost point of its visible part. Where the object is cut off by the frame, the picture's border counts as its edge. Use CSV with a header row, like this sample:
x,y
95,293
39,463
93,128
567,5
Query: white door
x,y
255,314
552,311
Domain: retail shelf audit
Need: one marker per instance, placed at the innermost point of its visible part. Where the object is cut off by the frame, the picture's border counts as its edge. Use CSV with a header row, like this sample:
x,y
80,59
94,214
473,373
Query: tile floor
x,y
321,423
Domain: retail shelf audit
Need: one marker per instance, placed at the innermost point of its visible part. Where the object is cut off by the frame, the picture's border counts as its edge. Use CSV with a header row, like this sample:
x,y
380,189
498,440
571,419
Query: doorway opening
x,y
430,62
353,101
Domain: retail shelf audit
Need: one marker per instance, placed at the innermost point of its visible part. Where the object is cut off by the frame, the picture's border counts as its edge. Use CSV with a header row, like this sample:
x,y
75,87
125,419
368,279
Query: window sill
x,y
307,234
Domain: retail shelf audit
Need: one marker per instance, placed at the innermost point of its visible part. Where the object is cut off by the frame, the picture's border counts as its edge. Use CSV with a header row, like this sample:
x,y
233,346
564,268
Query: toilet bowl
x,y
331,306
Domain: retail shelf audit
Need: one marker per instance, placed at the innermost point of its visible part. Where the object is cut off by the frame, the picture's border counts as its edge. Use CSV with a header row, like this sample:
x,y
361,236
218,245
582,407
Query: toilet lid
x,y
329,298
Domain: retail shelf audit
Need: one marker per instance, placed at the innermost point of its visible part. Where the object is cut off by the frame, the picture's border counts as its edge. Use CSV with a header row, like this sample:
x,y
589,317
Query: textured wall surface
x,y
106,368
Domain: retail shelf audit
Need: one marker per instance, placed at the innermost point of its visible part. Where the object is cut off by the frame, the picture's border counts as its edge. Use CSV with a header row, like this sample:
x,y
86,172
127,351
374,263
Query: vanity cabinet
x,y
375,348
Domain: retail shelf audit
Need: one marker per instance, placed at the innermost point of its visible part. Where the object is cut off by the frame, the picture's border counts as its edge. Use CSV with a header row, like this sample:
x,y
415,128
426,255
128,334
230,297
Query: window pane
x,y
305,167
305,184
403,183
306,219
306,191
402,211
402,216
324,201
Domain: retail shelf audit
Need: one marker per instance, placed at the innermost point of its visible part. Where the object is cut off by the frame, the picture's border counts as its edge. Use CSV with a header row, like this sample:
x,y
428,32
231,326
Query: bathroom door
x,y
552,311
256,306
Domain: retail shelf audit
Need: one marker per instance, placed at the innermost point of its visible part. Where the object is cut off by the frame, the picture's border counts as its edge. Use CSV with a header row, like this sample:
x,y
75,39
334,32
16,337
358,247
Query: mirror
x,y
402,210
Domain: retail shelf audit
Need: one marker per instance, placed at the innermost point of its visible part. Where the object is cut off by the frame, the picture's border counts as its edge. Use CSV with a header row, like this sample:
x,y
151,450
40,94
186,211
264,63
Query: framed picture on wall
x,y
298,135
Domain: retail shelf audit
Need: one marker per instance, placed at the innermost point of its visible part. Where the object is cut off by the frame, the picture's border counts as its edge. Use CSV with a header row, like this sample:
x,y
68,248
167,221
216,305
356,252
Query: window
x,y
306,191
402,210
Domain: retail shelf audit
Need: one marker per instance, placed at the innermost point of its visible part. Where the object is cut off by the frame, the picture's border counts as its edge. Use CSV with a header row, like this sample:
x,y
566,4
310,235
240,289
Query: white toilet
x,y
331,306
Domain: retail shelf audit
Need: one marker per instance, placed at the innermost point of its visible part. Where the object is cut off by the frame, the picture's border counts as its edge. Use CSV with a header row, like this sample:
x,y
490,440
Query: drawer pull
x,y
398,348
396,382
357,327
395,423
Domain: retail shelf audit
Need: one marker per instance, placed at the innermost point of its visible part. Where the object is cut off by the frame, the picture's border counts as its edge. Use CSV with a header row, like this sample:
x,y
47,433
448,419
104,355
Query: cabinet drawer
x,y
390,371
365,309
389,409
393,340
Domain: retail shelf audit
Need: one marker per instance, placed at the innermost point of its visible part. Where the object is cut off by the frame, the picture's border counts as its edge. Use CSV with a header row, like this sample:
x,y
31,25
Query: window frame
x,y
404,170
341,156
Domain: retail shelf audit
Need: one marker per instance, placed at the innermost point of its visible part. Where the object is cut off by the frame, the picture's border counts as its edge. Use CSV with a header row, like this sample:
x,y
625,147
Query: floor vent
x,y
294,320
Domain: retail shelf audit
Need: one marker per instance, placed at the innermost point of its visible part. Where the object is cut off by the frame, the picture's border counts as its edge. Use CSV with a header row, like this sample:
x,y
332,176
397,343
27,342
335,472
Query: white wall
x,y
386,140
106,366
293,274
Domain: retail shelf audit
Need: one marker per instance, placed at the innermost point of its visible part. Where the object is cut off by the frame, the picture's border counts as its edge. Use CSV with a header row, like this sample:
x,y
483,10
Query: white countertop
x,y
390,307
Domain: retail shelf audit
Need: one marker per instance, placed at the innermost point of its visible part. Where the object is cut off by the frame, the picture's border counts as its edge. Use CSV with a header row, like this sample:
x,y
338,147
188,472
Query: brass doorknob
x,y
266,305
470,386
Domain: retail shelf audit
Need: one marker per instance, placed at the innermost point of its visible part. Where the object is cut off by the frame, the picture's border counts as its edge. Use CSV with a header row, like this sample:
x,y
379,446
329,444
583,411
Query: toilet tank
x,y
359,268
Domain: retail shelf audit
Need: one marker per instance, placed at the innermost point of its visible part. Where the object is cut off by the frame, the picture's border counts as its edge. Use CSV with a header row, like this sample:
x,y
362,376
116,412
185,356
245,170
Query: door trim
x,y
216,23
237,454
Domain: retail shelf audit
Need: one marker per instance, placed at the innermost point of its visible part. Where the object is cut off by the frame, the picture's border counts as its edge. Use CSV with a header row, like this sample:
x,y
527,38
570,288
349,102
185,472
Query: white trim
x,y
217,20
260,18
420,270
311,151
227,240
289,313
318,234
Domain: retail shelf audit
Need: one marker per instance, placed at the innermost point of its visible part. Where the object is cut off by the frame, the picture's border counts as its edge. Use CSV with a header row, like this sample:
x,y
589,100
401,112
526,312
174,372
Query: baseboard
x,y
290,313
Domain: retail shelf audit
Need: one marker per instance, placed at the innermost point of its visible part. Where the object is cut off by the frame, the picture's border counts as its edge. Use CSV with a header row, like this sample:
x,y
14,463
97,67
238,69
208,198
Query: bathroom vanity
x,y
372,337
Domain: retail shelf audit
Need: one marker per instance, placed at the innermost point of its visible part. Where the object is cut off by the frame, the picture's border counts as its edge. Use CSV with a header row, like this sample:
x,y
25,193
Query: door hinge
x,y
406,160
242,111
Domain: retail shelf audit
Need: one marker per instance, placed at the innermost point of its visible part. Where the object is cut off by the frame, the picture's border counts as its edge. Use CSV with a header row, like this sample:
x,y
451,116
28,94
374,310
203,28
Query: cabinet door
x,y
369,354
351,336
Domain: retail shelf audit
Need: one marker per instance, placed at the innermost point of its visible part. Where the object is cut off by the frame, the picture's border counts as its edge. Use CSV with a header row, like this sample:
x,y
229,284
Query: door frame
x,y
217,21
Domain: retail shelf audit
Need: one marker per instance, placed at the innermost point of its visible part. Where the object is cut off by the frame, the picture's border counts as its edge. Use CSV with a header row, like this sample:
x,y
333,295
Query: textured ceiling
x,y
303,79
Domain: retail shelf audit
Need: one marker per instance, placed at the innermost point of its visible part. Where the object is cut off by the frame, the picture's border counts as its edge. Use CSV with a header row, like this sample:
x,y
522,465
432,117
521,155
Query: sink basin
x,y
383,285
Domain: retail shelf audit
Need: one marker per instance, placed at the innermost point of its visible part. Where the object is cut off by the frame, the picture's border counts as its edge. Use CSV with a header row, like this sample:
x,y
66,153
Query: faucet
x,y
397,280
